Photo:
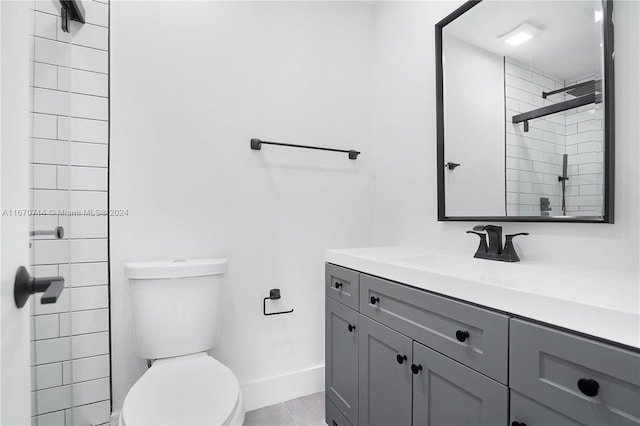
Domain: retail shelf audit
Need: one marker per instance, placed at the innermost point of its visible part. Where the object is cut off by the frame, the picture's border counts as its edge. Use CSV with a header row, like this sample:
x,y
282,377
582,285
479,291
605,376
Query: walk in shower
x,y
556,139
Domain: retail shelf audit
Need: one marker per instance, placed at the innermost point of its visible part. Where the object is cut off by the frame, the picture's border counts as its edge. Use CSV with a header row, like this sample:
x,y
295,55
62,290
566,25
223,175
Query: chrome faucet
x,y
494,250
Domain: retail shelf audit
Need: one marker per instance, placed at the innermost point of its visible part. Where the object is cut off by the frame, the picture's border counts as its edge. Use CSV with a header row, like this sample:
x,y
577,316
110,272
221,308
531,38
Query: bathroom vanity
x,y
418,338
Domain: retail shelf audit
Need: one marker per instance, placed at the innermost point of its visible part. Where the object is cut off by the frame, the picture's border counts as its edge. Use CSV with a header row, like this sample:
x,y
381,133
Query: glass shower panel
x,y
69,158
52,393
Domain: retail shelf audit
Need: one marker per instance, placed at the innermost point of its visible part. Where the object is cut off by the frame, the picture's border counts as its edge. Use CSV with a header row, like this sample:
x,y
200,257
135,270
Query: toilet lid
x,y
191,390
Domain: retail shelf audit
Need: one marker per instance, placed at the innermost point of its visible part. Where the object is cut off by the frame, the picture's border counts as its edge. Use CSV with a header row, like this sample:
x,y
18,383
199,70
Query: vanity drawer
x,y
342,284
547,365
437,322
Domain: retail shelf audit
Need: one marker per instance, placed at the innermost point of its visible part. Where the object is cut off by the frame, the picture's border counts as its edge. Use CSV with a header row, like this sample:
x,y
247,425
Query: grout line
x,y
70,116
70,92
71,68
66,43
57,16
70,141
67,384
85,166
72,407
69,360
286,409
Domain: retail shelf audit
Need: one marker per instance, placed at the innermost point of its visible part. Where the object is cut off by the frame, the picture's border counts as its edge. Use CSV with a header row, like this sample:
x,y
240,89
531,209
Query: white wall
x,y
473,115
405,205
14,156
191,84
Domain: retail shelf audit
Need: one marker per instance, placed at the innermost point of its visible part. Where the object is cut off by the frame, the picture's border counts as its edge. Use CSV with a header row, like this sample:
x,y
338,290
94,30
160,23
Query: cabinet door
x,y
527,412
446,392
341,355
385,375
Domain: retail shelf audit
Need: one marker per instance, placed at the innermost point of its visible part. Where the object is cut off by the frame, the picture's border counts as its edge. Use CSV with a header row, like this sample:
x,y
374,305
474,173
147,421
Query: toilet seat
x,y
188,390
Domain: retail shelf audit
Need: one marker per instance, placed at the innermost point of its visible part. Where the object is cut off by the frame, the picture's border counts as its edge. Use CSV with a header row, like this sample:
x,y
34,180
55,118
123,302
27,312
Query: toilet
x,y
176,316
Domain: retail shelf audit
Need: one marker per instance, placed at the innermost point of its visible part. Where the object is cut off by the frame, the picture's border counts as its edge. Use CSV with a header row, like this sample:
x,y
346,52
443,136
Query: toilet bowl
x,y
189,390
176,312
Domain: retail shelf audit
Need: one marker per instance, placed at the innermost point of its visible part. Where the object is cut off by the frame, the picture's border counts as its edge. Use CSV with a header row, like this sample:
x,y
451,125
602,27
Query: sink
x,y
593,289
597,302
493,272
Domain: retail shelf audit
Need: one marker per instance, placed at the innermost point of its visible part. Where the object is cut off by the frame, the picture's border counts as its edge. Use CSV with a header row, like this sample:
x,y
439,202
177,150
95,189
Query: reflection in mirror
x,y
523,111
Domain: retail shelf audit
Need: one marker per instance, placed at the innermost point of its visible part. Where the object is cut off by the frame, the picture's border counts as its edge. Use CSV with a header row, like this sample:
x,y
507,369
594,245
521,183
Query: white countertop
x,y
598,303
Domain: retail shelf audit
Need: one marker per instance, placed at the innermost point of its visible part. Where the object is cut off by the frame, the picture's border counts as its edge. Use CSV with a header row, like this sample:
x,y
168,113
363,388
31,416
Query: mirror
x,y
525,111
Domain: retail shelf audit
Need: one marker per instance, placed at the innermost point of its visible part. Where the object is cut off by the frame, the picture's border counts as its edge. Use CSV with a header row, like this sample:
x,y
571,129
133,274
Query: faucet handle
x,y
509,250
509,237
480,234
482,248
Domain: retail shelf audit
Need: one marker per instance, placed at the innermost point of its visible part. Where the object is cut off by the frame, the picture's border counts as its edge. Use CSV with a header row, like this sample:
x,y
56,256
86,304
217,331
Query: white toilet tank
x,y
176,305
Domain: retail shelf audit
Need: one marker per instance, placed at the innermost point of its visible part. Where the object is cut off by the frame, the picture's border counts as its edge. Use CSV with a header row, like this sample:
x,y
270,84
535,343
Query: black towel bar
x,y
256,144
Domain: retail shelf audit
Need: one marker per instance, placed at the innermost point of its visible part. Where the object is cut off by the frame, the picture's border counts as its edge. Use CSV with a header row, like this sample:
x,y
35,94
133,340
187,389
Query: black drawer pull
x,y
401,358
337,285
374,300
518,424
462,335
415,369
351,328
588,387
333,422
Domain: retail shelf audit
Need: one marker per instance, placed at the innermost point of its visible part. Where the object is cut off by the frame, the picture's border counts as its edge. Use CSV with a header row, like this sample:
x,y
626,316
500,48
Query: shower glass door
x,y
70,338
51,350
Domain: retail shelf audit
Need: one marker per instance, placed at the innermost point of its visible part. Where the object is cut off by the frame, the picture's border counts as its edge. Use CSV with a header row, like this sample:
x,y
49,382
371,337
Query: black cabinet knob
x,y
337,285
374,300
518,424
415,369
588,387
462,335
401,358
351,328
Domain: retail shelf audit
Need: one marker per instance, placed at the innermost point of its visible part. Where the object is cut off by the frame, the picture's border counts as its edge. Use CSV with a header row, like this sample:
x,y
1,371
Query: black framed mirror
x,y
525,112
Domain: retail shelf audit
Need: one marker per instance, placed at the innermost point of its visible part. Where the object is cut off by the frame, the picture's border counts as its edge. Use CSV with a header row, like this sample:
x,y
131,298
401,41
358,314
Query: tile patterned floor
x,y
305,411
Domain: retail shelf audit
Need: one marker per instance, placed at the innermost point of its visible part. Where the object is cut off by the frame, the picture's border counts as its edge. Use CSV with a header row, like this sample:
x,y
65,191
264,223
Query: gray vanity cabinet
x,y
341,358
446,392
397,355
385,375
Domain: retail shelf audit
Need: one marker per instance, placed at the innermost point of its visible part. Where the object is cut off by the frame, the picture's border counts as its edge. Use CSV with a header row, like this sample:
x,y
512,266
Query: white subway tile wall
x,y
70,339
534,158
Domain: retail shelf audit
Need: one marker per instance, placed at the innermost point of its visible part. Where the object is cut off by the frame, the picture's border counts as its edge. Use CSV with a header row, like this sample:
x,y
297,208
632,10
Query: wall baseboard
x,y
272,390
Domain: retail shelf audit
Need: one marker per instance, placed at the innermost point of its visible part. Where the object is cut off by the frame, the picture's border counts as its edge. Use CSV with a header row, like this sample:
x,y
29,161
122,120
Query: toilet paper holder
x,y
274,294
